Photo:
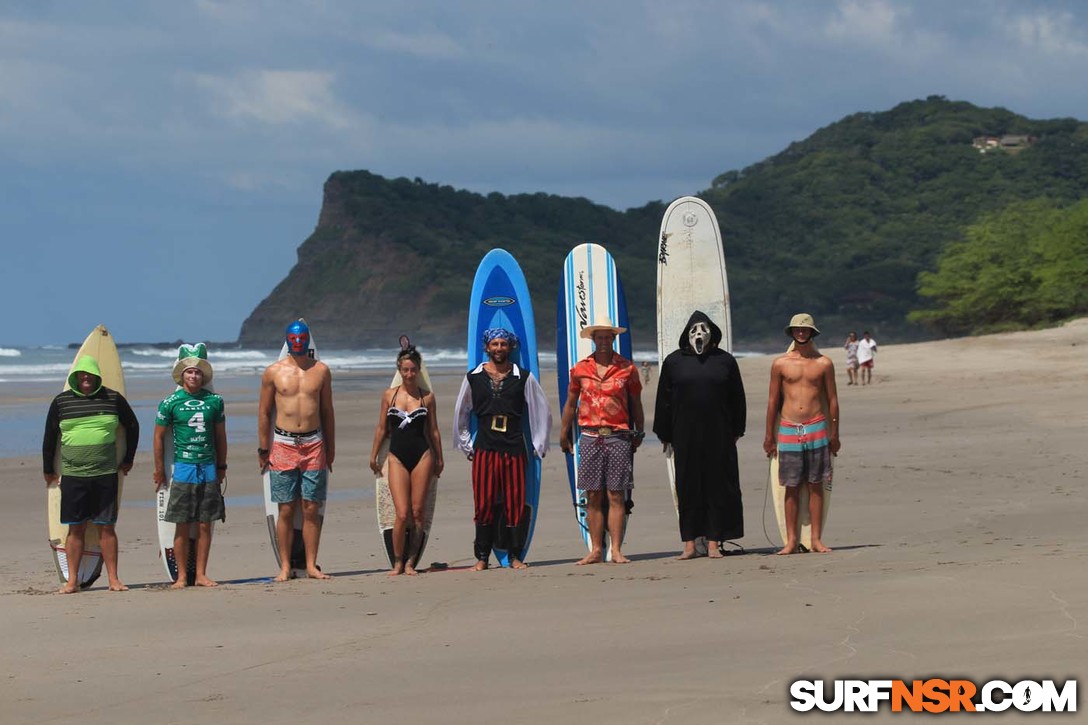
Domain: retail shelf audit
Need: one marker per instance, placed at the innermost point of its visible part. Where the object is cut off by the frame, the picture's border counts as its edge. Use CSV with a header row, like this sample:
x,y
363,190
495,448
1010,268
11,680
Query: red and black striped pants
x,y
495,473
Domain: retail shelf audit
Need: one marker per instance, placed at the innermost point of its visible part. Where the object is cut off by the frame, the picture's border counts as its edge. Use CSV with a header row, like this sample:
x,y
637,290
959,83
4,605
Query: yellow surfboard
x,y
99,345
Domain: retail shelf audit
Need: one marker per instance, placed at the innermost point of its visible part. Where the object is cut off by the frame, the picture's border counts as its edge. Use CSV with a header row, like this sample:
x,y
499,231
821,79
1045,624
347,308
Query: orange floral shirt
x,y
603,399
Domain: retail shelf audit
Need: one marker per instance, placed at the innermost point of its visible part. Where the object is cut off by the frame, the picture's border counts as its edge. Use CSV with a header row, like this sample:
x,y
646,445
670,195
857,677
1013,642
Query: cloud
x,y
434,46
1057,35
275,97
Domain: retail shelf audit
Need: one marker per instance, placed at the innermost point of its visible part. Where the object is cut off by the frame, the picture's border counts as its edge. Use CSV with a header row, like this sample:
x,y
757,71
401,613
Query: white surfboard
x,y
690,276
271,508
99,345
383,499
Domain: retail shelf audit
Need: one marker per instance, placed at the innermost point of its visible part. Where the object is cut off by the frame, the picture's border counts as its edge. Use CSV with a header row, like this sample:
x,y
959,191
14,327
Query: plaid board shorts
x,y
803,452
605,462
195,503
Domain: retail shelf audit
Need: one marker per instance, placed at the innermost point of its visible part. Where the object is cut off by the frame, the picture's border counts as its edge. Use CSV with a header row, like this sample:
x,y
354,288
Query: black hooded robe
x,y
701,411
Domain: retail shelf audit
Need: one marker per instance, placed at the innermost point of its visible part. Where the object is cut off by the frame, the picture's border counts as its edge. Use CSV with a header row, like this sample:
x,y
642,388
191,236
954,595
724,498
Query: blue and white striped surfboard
x,y
590,289
500,298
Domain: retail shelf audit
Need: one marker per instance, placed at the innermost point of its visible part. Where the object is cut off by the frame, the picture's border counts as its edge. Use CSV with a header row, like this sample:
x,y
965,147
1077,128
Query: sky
x,y
161,162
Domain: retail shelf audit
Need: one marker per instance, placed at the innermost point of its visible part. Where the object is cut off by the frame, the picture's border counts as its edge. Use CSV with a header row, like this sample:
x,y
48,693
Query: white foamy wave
x,y
8,352
214,355
152,352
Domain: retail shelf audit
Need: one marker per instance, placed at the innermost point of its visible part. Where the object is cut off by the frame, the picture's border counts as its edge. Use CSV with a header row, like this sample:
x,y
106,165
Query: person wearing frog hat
x,y
298,446
83,421
196,417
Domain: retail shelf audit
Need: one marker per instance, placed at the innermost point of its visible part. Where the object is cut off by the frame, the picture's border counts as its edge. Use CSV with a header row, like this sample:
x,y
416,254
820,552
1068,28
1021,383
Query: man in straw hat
x,y
803,405
501,395
197,420
606,391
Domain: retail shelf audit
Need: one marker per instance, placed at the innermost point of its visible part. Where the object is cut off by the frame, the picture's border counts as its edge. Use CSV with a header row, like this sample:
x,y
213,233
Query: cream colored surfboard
x,y
691,276
99,345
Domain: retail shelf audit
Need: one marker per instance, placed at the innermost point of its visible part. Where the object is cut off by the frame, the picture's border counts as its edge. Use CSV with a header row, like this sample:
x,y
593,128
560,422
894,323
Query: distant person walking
x,y
84,421
646,372
195,418
851,347
866,357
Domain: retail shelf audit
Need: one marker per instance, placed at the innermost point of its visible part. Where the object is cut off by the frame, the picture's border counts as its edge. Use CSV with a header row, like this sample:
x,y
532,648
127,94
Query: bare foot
x,y
518,564
317,574
593,557
688,554
480,566
117,586
179,583
69,589
819,547
284,575
410,570
203,581
397,569
619,558
714,552
791,547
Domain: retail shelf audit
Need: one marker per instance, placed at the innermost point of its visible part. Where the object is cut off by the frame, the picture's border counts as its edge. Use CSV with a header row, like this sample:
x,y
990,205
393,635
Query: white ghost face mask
x,y
699,337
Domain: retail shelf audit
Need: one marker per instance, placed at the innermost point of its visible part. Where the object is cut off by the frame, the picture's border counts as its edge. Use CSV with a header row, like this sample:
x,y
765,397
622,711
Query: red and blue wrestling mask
x,y
298,338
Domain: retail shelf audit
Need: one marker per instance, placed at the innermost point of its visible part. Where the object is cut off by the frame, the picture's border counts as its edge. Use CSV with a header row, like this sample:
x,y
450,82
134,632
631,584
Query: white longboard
x,y
590,288
101,346
383,499
690,276
272,509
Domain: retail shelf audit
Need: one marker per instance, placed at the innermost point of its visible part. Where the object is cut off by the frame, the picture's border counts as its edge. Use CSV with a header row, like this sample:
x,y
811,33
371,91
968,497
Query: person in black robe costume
x,y
700,412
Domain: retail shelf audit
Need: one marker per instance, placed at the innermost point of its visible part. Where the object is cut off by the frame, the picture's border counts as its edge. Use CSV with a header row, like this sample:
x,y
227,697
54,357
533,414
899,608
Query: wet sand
x,y
957,523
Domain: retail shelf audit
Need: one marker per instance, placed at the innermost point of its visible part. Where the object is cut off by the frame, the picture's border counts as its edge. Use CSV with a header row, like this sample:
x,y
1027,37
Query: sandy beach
x,y
960,551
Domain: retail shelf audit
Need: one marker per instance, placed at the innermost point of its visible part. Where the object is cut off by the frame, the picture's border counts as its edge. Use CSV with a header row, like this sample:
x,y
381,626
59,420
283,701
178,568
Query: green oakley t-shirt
x,y
193,418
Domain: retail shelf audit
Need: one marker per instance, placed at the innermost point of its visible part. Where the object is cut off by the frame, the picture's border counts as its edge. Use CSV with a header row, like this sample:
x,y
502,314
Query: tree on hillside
x,y
1023,266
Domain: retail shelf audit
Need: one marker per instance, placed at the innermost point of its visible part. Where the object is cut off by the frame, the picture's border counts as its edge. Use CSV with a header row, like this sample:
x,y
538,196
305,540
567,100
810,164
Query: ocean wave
x,y
9,352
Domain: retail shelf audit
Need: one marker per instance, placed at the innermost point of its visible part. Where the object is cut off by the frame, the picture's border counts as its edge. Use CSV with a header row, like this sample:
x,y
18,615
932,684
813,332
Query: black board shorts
x,y
88,498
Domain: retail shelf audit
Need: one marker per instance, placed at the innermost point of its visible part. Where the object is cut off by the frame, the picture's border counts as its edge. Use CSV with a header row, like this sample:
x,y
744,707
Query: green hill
x,y
839,224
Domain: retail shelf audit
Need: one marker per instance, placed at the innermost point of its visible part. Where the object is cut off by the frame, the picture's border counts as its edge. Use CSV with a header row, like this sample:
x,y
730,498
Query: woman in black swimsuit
x,y
409,417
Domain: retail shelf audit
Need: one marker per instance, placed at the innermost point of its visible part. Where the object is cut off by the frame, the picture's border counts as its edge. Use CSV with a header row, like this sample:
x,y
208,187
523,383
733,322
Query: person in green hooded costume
x,y
84,421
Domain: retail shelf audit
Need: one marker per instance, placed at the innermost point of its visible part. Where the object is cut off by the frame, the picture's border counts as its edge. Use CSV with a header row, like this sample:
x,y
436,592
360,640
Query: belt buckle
x,y
604,431
498,423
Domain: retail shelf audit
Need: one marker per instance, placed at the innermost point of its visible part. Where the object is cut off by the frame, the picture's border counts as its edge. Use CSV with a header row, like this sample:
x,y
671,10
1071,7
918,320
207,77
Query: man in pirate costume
x,y
503,398
700,413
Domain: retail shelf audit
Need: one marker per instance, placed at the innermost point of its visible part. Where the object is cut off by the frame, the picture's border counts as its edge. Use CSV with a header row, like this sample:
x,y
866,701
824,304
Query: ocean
x,y
30,376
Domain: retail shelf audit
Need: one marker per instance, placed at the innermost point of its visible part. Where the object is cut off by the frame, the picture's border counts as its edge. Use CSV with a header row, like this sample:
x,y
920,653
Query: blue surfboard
x,y
589,289
500,298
